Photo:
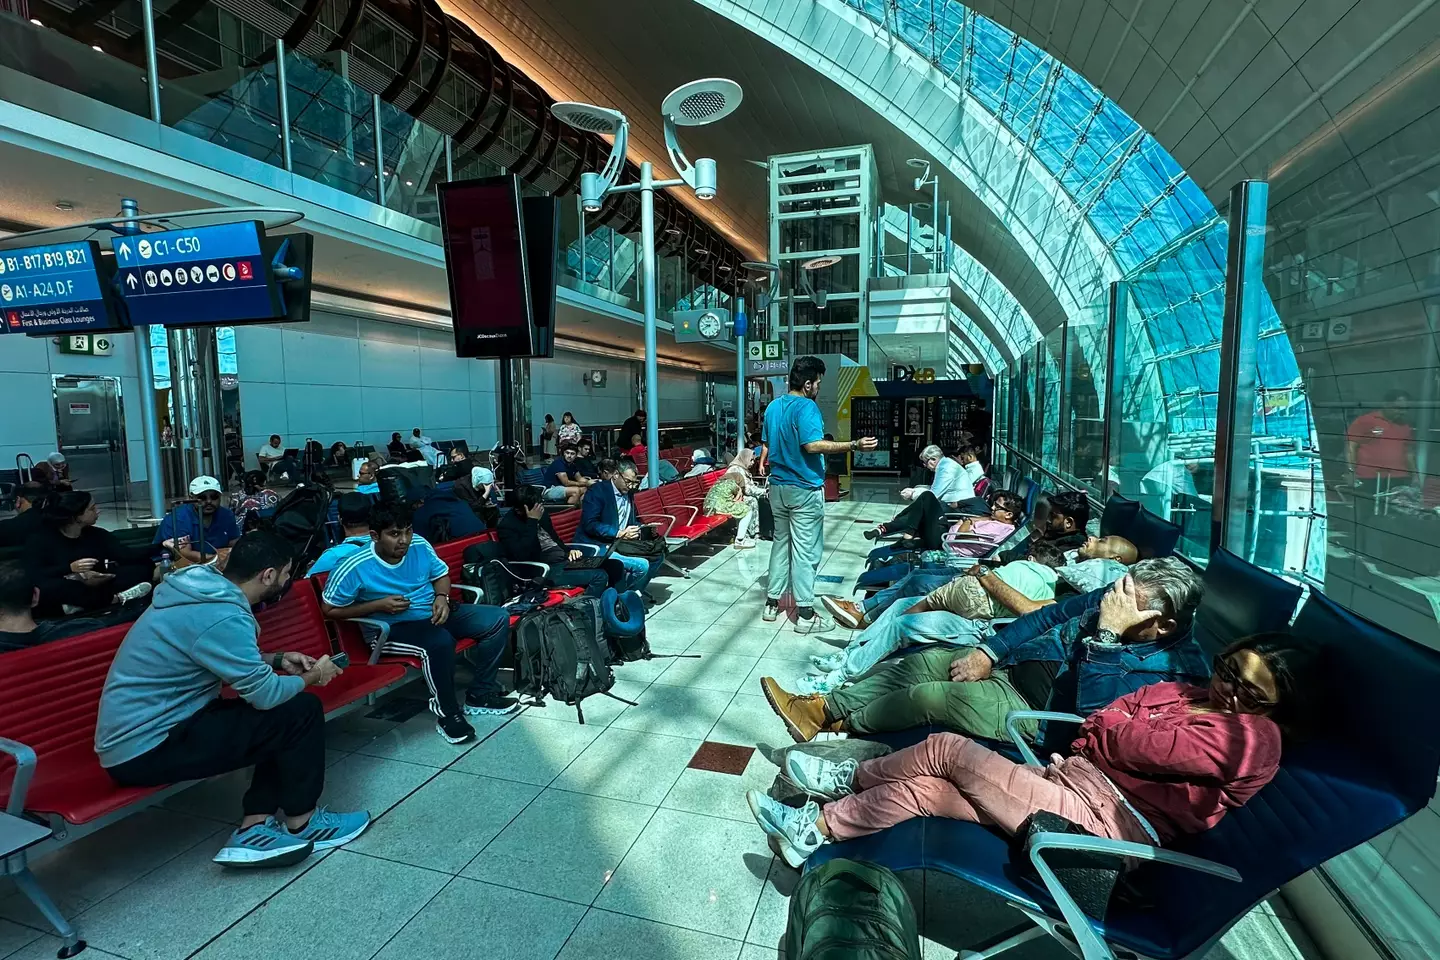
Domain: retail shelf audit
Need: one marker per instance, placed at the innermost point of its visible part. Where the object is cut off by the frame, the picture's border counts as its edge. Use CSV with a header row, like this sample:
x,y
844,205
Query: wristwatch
x,y
854,444
277,662
1106,636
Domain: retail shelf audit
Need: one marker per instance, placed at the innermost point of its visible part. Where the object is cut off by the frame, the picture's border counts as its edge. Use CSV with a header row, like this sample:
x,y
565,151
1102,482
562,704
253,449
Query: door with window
x,y
91,433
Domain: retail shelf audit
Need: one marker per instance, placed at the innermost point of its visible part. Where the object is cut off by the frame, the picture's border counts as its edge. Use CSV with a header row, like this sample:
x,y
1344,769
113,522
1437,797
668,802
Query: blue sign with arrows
x,y
56,288
197,276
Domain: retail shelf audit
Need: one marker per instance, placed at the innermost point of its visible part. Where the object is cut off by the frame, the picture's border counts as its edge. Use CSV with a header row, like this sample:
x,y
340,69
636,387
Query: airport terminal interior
x,y
1088,350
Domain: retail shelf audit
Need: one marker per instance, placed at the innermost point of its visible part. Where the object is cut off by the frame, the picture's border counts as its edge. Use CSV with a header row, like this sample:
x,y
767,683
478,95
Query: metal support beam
x,y
487,90
647,276
507,103
1231,506
283,93
149,423
412,57
379,150
442,66
152,64
345,35
1117,331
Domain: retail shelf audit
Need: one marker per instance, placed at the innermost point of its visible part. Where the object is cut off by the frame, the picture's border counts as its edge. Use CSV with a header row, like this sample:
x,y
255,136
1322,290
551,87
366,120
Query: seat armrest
x,y
470,594
694,511
518,568
657,518
24,771
595,550
1081,927
379,641
1012,727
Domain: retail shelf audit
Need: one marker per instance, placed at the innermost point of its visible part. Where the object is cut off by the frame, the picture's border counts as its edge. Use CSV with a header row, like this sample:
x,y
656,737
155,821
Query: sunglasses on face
x,y
1247,693
211,497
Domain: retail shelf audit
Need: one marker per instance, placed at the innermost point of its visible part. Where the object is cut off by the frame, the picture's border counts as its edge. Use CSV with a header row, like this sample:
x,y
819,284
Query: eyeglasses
x,y
1246,692
212,496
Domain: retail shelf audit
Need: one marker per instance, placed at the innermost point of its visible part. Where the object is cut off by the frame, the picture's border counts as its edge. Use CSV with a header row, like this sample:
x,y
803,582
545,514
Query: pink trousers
x,y
953,776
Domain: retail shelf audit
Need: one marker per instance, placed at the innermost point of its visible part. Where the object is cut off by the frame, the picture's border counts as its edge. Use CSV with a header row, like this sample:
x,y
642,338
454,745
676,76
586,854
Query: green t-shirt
x,y
1034,580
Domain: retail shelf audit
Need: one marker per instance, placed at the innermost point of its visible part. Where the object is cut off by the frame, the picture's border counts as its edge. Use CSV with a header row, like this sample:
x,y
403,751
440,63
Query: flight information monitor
x,y
483,232
56,288
197,276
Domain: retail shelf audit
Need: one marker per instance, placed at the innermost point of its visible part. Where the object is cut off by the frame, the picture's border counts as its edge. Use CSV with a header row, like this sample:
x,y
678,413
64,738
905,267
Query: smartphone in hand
x,y
341,660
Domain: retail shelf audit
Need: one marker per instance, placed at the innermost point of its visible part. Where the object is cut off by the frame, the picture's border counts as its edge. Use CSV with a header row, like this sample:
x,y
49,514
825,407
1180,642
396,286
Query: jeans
x,y
285,744
916,690
955,777
799,543
897,629
638,570
288,466
489,627
917,584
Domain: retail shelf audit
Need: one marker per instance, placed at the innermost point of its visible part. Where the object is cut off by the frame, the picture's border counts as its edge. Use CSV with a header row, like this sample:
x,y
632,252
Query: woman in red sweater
x,y
1167,760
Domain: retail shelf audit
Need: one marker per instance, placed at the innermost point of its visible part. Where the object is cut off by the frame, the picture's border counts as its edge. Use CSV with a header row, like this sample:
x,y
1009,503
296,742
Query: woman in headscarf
x,y
737,495
53,471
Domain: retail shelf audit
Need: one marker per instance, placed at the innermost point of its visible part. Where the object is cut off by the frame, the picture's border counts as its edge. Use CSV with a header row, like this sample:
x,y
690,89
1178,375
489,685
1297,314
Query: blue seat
x,y
1153,536
1118,517
1372,765
1241,600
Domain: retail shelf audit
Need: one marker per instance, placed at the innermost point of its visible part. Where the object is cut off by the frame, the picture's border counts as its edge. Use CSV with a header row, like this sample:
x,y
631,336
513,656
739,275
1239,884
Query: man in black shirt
x,y
1064,525
526,534
18,629
19,528
584,464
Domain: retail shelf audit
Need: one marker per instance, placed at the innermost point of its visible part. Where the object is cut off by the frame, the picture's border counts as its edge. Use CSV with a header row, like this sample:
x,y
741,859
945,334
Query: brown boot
x,y
804,716
846,613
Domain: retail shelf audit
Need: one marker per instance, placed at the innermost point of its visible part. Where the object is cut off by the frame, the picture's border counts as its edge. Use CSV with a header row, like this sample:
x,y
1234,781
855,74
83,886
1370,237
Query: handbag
x,y
1089,878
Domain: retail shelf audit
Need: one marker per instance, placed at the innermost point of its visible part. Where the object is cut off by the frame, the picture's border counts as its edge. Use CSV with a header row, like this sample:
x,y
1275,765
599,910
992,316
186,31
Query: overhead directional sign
x,y
58,288
196,276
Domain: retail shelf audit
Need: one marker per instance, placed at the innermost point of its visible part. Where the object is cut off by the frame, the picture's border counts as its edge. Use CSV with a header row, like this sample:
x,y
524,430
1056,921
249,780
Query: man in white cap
x,y
181,527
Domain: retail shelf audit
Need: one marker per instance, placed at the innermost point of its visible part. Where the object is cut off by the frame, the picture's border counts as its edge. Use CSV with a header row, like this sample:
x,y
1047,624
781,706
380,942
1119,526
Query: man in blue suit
x,y
608,515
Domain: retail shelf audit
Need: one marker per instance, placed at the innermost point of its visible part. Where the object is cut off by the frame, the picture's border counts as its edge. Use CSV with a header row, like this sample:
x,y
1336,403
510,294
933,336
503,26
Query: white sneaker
x,y
826,683
744,544
820,778
818,623
134,593
828,662
793,833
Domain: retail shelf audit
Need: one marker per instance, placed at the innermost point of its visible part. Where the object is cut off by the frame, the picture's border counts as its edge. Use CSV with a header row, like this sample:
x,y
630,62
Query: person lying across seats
x,y
1099,562
355,522
162,719
1064,524
955,613
181,530
1139,634
527,534
924,520
79,566
701,463
737,495
1159,763
18,629
399,581
563,482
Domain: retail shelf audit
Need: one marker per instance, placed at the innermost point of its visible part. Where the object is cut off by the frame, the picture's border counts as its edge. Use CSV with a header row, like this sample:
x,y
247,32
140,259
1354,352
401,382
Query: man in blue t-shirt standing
x,y
795,438
400,582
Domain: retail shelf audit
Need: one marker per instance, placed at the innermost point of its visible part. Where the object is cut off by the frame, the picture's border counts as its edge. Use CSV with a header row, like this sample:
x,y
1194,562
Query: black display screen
x,y
484,236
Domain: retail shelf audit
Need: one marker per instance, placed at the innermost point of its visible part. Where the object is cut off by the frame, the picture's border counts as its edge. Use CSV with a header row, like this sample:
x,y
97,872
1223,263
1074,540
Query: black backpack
x,y
484,566
300,518
624,616
846,910
561,652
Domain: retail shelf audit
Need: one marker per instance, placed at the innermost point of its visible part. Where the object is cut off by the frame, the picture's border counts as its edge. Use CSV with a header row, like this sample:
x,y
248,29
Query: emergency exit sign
x,y
95,345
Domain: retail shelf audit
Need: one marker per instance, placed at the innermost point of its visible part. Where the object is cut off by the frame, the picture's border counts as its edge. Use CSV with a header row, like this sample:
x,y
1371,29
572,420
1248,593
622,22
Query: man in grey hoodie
x,y
162,719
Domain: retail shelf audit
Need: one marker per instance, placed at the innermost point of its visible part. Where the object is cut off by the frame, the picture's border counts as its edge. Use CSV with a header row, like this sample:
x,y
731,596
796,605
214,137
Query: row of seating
x,y
1366,770
52,696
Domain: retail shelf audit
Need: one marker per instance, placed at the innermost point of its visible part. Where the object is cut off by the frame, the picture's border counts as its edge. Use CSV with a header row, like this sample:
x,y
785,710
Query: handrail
x,y
1068,484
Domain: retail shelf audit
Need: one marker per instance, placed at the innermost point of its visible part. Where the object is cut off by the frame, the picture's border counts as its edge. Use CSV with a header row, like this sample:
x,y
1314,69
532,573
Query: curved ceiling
x,y
575,50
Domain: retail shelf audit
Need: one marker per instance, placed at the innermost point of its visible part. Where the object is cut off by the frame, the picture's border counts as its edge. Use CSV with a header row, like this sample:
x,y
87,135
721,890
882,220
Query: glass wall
x,y
1353,268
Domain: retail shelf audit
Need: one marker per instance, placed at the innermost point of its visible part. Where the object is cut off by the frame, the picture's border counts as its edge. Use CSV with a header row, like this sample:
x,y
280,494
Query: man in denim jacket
x,y
1074,656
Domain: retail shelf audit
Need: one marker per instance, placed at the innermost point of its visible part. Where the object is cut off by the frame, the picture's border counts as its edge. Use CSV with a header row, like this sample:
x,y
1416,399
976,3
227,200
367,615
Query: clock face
x,y
709,325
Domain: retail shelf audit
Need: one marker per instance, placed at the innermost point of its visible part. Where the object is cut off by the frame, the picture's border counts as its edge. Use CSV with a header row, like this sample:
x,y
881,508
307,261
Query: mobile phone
x,y
106,566
341,660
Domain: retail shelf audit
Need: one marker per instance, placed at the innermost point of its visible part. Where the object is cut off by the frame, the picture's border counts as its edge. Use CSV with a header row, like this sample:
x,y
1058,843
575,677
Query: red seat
x,y
51,695
350,640
566,525
296,624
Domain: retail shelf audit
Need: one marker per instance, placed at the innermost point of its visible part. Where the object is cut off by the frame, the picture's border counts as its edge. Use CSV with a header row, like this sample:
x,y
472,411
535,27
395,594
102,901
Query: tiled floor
x,y
547,839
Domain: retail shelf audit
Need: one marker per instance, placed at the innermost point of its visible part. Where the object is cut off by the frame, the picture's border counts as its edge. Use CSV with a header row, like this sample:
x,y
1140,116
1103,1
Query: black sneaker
x,y
455,729
492,705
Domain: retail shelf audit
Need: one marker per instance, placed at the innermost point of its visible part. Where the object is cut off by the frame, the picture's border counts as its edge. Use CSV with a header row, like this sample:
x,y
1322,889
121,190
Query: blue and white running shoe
x,y
266,844
328,829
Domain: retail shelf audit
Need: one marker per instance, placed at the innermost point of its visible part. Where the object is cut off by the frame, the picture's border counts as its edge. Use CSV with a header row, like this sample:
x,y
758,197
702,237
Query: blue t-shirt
x,y
790,422
184,521
552,471
331,558
363,577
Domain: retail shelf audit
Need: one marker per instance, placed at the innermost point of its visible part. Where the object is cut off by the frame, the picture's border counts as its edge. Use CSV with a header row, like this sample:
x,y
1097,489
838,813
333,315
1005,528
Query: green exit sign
x,y
96,345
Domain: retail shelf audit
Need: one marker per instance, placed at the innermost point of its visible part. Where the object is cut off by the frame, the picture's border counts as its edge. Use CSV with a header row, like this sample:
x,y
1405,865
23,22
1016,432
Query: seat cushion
x,y
71,784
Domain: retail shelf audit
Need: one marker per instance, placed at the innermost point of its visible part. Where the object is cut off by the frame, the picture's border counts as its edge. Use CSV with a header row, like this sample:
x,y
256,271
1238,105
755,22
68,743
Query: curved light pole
x,y
694,104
